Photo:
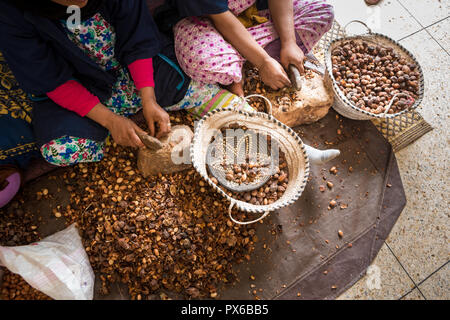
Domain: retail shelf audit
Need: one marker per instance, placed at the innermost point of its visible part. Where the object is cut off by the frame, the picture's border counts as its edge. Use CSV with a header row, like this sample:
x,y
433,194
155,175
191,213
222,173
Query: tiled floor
x,y
413,263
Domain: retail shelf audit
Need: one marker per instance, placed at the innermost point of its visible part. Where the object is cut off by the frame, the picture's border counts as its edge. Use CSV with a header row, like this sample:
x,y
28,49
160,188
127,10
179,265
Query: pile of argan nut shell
x,y
167,233
371,75
160,236
17,227
13,287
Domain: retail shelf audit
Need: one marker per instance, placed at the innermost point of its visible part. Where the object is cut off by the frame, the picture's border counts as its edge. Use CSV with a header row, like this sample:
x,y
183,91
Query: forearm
x,y
235,33
102,115
73,96
123,130
148,97
282,12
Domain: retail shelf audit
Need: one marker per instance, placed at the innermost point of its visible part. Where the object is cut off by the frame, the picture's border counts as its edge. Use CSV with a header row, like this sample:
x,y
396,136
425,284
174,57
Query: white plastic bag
x,y
57,266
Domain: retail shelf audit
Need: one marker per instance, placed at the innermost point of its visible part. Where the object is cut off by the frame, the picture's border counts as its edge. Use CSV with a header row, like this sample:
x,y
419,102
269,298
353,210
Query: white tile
x,y
427,11
413,295
437,287
385,280
389,17
440,31
420,237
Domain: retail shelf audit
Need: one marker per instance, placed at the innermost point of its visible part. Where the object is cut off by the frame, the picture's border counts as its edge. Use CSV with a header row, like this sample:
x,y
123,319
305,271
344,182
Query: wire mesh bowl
x,y
247,148
289,143
347,108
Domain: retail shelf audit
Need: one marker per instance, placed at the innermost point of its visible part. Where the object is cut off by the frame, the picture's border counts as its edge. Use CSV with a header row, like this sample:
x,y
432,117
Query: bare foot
x,y
237,88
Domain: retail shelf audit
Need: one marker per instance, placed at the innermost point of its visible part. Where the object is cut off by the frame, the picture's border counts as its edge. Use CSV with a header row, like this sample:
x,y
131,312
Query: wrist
x,y
101,114
285,43
148,97
263,61
149,105
109,121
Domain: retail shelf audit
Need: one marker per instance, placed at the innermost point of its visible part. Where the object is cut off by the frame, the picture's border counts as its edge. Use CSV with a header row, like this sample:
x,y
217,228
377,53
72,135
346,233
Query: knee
x,y
52,155
317,7
328,12
67,151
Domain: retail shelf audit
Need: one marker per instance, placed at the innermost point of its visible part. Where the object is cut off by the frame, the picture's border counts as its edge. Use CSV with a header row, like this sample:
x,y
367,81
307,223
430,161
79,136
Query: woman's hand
x,y
292,54
273,74
237,35
124,131
158,120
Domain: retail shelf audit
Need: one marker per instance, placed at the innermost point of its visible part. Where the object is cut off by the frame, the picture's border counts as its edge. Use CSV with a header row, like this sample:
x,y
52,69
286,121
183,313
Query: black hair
x,y
53,10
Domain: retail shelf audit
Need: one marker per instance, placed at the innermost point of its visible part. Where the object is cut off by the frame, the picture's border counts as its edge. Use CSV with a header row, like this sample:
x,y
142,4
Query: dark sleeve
x,y
137,33
28,56
262,5
198,8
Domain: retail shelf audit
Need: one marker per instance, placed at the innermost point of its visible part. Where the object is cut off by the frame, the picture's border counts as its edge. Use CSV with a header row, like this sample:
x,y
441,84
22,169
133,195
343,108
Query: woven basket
x,y
343,105
289,142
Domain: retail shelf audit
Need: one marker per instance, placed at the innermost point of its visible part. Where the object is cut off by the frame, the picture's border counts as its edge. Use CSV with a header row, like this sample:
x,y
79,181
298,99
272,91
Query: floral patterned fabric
x,y
97,38
199,100
68,150
196,95
202,97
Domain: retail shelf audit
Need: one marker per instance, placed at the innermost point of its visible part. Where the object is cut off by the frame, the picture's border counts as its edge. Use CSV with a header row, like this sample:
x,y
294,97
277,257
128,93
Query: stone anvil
x,y
168,155
309,102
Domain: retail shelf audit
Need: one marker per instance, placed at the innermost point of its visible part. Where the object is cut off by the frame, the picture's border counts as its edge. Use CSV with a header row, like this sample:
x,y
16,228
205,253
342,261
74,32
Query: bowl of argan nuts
x,y
283,187
373,76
